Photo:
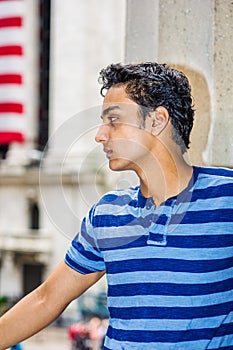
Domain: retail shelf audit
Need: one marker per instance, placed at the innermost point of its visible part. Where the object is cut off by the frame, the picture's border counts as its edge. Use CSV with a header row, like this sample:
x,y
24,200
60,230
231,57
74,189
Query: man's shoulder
x,y
116,201
215,182
218,174
119,197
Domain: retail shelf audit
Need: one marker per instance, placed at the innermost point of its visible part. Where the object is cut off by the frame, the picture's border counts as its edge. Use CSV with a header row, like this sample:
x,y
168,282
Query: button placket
x,y
159,229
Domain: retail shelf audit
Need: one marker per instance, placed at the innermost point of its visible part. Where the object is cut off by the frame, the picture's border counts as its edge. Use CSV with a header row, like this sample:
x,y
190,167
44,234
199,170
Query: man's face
x,y
125,143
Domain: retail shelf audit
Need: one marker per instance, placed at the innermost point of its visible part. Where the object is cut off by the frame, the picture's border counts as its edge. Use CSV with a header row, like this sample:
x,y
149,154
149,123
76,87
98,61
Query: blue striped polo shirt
x,y
169,268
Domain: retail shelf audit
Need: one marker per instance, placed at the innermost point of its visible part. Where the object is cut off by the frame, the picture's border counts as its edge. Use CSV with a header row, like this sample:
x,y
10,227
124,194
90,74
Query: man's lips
x,y
108,152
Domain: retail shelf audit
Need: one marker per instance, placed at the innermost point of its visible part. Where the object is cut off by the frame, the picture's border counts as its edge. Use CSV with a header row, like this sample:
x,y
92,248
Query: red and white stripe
x,y
12,122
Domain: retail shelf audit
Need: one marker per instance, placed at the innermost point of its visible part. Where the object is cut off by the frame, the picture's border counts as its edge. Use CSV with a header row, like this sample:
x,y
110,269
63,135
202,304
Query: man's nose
x,y
102,134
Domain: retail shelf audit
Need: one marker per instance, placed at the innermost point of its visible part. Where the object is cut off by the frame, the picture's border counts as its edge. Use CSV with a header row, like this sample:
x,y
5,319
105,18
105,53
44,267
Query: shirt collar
x,y
147,203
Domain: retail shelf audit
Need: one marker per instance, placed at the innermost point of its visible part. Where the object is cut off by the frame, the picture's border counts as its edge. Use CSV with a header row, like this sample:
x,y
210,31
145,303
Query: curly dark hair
x,y
151,85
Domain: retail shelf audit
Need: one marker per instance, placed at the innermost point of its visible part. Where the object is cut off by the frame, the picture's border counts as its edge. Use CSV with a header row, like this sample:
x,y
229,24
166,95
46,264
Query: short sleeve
x,y
83,255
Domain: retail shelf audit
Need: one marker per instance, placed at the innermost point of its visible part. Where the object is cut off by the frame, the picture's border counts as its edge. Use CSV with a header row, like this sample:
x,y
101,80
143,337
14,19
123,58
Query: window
x,y
34,216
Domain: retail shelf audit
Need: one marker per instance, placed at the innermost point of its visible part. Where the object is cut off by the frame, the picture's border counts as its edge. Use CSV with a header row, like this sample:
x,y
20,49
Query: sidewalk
x,y
49,339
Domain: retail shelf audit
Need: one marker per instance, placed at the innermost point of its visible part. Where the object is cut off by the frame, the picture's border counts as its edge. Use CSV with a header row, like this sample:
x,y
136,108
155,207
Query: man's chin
x,y
118,164
114,165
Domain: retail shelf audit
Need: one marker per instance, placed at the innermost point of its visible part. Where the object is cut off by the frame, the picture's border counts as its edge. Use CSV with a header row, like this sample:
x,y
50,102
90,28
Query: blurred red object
x,y
79,329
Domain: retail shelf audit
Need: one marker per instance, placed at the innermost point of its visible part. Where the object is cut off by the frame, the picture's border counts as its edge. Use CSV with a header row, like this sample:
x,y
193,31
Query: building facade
x,y
48,183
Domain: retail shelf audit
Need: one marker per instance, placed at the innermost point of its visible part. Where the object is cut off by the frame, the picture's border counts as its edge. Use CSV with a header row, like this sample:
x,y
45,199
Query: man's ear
x,y
160,119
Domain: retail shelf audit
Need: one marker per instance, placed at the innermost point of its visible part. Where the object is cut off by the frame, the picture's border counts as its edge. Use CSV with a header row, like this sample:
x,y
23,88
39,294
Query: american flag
x,y
11,72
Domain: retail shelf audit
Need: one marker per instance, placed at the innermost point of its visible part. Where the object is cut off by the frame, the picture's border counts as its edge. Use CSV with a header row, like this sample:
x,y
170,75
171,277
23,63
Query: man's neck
x,y
165,179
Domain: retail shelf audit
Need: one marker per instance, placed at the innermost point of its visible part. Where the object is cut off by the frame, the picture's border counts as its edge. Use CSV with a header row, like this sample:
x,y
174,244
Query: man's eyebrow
x,y
109,109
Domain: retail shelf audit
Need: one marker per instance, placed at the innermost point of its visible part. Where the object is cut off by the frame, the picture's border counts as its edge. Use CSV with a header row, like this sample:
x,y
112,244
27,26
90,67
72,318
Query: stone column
x,y
142,24
197,38
85,37
220,146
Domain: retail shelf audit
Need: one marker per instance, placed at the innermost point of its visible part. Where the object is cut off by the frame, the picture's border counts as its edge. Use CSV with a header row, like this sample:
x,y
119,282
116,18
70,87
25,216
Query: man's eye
x,y
113,119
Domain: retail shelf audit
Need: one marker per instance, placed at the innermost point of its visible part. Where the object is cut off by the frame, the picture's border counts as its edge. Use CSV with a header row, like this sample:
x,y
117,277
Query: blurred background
x,y
51,170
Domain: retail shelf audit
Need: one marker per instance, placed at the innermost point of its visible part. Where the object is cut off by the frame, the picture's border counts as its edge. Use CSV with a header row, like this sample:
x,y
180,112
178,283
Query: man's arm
x,y
42,306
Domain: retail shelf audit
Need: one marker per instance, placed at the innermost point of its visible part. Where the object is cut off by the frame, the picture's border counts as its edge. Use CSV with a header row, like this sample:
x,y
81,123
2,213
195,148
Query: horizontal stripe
x,y
160,336
83,262
161,324
201,241
195,217
9,93
195,242
203,204
170,277
206,229
118,205
222,342
11,22
108,209
8,137
88,254
116,200
122,232
128,313
11,107
182,345
213,177
171,289
11,79
12,36
114,220
12,64
9,50
173,265
76,266
121,242
199,217
11,8
173,253
12,122
169,301
214,172
222,347
215,191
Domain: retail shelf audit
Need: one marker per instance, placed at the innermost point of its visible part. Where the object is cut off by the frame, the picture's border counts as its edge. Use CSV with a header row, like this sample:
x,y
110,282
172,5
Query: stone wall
x,y
197,38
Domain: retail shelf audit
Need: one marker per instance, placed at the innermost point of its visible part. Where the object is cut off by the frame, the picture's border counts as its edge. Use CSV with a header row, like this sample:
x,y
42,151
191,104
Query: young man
x,y
166,245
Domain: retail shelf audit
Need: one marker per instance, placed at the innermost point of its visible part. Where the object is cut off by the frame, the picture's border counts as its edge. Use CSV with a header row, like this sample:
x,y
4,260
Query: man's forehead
x,y
117,99
119,107
109,108
117,95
